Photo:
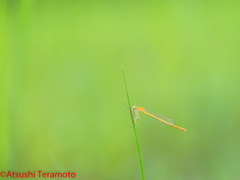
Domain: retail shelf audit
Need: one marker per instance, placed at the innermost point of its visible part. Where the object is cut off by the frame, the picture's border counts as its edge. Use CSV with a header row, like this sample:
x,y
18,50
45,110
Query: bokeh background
x,y
62,90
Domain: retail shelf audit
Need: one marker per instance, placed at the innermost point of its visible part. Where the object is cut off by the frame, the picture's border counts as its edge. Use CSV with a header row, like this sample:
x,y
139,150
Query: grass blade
x,y
134,128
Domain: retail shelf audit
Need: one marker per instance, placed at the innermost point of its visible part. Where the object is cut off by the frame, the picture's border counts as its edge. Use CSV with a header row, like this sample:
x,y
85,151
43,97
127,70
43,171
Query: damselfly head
x,y
140,109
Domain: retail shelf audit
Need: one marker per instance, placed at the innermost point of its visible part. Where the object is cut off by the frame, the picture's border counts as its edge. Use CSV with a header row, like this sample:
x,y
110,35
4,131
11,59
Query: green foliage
x,y
61,87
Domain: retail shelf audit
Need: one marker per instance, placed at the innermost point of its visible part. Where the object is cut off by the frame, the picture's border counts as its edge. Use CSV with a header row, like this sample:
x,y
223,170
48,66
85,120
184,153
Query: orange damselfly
x,y
162,119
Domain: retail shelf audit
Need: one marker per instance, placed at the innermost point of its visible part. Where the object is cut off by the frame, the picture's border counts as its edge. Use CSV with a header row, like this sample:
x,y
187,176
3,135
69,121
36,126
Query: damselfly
x,y
162,119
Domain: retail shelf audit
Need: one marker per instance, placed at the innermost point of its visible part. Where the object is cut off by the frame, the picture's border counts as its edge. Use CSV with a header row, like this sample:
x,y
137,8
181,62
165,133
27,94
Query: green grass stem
x,y
134,128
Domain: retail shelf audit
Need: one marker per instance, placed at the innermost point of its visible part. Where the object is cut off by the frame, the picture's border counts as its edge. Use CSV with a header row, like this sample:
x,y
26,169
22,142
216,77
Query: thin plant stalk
x,y
134,128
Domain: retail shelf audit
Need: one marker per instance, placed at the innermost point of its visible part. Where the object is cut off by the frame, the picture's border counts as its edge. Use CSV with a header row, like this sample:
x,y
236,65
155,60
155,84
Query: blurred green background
x,y
62,89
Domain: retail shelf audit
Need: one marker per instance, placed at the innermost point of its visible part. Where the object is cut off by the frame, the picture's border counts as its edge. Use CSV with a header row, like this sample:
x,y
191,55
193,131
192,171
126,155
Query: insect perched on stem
x,y
162,119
